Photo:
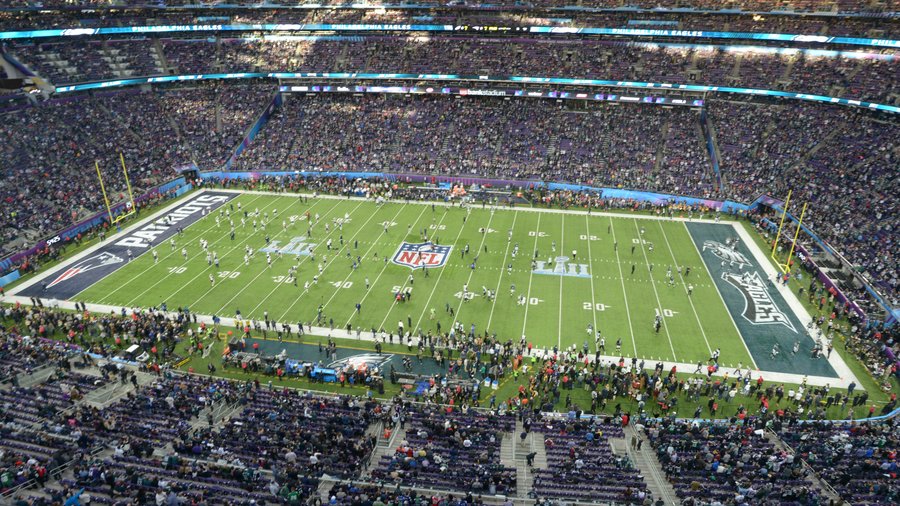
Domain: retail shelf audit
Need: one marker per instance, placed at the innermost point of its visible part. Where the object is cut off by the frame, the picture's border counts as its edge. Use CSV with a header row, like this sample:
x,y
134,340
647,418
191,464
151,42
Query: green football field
x,y
549,309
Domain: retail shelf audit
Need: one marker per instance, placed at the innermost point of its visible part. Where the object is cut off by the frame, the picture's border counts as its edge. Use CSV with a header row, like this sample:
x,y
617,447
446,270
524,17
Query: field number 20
x,y
598,306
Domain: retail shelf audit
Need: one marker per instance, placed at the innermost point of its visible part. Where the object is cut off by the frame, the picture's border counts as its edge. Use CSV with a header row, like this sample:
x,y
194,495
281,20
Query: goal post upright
x,y
787,265
130,194
130,204
784,209
103,190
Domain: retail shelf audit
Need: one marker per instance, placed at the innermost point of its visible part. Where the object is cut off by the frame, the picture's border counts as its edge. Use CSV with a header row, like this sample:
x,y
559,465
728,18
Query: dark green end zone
x,y
761,314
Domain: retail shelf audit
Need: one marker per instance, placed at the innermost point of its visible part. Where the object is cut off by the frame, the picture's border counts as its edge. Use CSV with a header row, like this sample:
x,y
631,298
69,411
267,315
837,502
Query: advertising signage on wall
x,y
399,27
484,79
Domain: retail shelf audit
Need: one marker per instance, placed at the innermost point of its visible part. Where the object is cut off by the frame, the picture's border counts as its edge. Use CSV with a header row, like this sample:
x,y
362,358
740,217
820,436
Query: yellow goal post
x,y
785,265
130,207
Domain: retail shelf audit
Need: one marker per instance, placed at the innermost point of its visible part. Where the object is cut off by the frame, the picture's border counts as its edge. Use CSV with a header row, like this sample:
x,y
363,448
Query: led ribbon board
x,y
378,27
461,77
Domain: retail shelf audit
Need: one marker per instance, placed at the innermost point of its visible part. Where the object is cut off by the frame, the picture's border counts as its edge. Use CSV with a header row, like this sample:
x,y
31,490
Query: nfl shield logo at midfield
x,y
423,254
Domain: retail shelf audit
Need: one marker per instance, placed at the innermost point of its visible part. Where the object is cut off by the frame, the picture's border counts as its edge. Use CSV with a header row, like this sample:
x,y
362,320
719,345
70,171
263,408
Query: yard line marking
x,y
656,293
684,285
487,327
587,224
333,295
716,289
612,228
264,269
531,273
163,259
438,282
329,264
471,273
559,318
387,313
135,299
374,283
222,257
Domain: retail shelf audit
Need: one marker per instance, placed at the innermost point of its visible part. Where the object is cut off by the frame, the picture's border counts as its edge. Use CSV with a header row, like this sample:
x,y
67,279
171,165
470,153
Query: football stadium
x,y
449,253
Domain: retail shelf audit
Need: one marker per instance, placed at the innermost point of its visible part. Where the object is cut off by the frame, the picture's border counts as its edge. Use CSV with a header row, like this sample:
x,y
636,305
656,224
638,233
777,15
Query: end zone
x,y
101,260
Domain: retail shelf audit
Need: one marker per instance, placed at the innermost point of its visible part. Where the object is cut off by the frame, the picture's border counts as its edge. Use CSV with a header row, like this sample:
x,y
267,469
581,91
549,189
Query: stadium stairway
x,y
383,446
661,148
115,390
514,452
161,56
26,380
646,462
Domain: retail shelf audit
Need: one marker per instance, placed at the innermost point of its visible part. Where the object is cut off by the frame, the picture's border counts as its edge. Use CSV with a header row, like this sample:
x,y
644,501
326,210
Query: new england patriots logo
x,y
423,254
88,264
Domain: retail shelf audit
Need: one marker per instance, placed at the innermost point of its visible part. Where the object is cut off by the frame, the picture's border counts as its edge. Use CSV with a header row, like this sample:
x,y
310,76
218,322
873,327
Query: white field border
x,y
846,376
837,362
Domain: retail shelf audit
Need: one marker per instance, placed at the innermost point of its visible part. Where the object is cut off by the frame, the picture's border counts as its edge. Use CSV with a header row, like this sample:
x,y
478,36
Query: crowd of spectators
x,y
489,138
213,119
450,450
581,465
846,164
23,354
808,25
800,6
49,179
277,443
858,460
730,464
849,74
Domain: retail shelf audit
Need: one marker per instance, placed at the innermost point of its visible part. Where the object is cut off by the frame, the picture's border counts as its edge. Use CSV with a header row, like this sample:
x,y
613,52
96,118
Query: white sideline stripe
x,y
623,215
843,371
836,361
770,377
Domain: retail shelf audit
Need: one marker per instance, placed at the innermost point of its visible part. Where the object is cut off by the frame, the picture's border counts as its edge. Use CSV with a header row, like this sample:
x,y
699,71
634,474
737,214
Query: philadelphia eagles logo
x,y
367,361
725,253
759,308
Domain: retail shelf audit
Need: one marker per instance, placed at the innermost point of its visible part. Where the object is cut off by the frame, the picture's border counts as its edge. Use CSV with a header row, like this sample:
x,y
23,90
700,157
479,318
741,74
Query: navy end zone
x,y
65,282
761,314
